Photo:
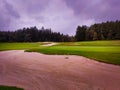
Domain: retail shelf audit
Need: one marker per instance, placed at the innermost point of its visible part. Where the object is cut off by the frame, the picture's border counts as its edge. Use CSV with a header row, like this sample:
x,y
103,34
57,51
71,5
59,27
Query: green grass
x,y
92,43
9,88
19,46
109,54
104,51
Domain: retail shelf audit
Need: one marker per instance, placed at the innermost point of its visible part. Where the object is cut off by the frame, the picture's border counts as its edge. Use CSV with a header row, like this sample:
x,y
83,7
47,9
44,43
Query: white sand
x,y
49,44
34,71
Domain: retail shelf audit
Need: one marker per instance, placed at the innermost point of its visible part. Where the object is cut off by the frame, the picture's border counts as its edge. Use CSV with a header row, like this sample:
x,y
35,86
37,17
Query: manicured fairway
x,y
92,43
109,54
104,51
19,46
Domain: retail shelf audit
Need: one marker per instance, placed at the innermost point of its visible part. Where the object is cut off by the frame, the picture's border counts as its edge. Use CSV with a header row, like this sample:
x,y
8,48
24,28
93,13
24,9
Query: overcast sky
x,y
59,15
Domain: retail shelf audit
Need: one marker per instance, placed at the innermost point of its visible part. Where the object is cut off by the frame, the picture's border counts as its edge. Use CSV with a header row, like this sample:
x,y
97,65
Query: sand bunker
x,y
34,71
49,44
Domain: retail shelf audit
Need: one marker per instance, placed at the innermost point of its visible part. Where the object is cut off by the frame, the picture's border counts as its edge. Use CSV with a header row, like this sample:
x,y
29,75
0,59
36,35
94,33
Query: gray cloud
x,y
100,10
7,15
60,15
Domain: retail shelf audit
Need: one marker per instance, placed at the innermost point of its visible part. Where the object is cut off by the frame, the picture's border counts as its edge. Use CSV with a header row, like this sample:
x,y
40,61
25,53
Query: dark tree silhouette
x,y
101,31
81,33
33,34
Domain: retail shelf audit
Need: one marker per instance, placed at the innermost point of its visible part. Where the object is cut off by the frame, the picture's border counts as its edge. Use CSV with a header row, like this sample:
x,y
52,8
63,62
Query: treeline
x,y
33,34
101,31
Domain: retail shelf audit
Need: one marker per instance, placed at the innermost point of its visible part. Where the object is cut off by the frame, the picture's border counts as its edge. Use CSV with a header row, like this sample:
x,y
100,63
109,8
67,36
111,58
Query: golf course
x,y
104,51
60,45
88,65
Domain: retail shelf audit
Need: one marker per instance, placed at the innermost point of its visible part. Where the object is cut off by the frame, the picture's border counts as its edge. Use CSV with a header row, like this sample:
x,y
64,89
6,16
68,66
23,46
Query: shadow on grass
x,y
9,88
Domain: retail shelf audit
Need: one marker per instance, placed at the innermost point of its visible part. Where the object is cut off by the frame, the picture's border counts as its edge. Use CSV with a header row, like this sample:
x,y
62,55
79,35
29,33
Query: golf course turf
x,y
104,51
19,46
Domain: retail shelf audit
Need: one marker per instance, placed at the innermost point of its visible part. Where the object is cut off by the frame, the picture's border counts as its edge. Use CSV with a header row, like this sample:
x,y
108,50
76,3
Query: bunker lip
x,y
36,71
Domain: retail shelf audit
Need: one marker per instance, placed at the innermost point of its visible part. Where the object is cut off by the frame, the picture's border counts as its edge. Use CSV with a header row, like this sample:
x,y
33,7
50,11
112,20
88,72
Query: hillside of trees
x,y
33,34
101,31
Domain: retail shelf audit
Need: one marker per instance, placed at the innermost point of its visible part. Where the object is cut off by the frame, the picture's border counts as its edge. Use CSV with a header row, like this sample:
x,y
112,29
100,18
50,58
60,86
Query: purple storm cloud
x,y
60,15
